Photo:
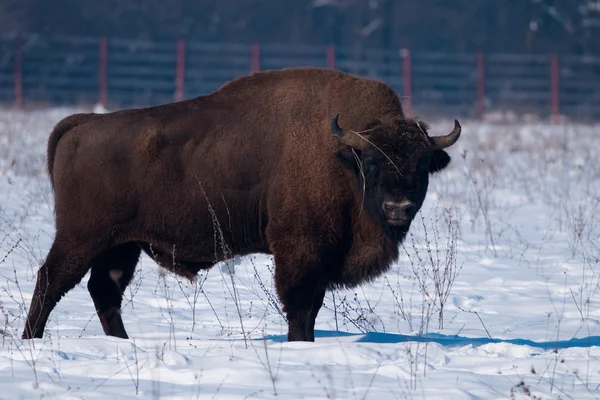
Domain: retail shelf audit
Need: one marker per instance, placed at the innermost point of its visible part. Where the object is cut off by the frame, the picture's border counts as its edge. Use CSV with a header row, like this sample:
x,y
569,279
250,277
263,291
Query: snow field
x,y
495,296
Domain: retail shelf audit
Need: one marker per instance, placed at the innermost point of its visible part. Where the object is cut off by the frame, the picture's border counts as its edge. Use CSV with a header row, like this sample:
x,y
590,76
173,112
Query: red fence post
x,y
331,57
554,77
480,85
407,81
18,74
102,72
180,72
255,57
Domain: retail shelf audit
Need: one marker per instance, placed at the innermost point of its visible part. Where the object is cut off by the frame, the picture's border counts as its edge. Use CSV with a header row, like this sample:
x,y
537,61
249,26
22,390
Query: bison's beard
x,y
396,233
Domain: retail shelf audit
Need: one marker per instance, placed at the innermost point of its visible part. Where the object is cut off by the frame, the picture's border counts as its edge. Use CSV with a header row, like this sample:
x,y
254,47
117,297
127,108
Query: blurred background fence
x,y
53,70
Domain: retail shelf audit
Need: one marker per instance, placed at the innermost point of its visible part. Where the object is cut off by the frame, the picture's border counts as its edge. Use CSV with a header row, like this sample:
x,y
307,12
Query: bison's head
x,y
392,161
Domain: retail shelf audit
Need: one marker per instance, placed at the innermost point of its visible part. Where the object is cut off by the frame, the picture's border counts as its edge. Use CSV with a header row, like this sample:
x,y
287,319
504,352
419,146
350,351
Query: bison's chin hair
x,y
397,232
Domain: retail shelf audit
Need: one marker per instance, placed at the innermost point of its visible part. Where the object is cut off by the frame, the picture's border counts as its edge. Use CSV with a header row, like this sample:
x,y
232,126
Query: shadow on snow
x,y
446,340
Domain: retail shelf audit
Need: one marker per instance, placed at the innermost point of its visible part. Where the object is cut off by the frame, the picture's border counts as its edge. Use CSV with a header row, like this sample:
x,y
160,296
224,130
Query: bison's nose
x,y
404,210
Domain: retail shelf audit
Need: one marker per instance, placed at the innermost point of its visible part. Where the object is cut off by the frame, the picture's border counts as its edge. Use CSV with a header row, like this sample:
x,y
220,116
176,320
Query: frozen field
x,y
496,294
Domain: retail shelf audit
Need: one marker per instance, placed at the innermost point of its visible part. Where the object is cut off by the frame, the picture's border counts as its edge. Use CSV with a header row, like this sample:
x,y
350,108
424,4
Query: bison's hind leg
x,y
112,271
64,268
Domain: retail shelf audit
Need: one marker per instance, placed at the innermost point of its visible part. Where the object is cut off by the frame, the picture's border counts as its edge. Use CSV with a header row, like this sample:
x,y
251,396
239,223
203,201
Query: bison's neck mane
x,y
374,248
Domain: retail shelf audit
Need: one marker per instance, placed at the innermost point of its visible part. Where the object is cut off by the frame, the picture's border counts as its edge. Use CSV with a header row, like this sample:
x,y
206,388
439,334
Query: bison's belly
x,y
186,237
187,260
180,265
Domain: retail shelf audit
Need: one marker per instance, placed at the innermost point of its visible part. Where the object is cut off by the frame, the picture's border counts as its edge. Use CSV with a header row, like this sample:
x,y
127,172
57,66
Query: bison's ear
x,y
348,156
439,160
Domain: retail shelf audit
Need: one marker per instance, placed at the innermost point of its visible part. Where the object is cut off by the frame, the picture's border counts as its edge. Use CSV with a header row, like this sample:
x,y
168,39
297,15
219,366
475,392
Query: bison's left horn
x,y
442,142
353,139
335,126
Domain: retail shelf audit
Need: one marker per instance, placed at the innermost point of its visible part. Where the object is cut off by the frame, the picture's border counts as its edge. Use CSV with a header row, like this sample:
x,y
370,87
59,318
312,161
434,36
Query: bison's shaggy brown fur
x,y
267,155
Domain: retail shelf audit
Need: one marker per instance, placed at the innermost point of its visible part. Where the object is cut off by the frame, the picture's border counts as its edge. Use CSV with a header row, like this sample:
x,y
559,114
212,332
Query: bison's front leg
x,y
317,304
299,286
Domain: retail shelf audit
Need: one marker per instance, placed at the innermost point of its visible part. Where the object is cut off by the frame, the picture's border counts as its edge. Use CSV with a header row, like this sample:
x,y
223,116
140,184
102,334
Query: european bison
x,y
317,167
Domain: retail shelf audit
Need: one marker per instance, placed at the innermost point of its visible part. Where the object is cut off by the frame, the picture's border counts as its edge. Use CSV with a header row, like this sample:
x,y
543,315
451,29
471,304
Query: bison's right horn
x,y
354,140
442,142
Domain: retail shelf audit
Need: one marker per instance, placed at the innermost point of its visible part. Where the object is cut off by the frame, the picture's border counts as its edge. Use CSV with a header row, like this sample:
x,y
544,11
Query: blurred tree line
x,y
565,26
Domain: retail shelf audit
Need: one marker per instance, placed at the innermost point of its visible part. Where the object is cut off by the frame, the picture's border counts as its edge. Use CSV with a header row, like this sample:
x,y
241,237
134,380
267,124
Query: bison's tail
x,y
58,132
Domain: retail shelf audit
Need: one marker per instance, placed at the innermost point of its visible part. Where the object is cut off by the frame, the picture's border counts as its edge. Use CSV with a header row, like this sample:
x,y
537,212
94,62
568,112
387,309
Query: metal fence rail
x,y
59,70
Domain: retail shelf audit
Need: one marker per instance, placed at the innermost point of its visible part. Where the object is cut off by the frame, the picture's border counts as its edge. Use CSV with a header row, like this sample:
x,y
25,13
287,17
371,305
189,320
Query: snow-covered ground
x,y
509,232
